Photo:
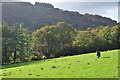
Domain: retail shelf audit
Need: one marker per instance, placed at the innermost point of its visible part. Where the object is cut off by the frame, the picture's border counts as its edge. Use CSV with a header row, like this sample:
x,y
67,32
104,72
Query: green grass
x,y
78,66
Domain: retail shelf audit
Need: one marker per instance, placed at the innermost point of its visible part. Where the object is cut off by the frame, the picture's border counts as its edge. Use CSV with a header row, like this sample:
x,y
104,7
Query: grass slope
x,y
78,66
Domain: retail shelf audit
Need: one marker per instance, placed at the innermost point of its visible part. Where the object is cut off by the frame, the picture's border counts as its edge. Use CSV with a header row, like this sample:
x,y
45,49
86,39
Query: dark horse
x,y
98,54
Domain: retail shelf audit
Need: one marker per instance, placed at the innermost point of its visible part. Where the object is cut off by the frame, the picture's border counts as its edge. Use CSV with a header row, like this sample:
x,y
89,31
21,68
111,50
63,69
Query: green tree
x,y
84,42
16,43
54,41
21,41
6,39
115,37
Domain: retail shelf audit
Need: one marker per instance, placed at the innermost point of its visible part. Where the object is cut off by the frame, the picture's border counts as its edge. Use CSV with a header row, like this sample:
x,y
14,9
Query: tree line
x,y
21,45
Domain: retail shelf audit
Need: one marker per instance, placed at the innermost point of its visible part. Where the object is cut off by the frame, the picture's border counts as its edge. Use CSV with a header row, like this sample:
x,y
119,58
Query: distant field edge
x,y
60,79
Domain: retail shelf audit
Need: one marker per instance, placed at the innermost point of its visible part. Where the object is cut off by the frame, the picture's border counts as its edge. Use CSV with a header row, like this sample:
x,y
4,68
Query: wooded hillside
x,y
42,14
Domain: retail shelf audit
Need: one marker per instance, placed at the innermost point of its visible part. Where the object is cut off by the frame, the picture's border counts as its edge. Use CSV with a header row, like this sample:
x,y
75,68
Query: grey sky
x,y
108,9
52,1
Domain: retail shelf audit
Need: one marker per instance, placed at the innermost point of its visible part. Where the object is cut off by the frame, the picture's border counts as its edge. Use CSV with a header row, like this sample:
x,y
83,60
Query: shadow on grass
x,y
15,65
21,64
106,57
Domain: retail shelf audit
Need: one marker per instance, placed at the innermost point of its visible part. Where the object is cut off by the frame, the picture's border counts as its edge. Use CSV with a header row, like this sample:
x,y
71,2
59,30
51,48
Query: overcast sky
x,y
108,8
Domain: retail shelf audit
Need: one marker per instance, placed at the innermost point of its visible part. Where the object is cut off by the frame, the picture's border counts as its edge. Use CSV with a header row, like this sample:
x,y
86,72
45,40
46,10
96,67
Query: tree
x,y
104,35
21,41
16,43
54,41
6,39
84,42
115,37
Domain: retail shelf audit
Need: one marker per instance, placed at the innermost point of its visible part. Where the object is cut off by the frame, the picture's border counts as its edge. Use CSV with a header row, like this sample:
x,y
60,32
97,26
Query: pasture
x,y
77,66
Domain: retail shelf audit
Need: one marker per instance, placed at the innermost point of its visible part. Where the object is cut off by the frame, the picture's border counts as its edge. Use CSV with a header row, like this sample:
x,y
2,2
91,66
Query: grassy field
x,y
78,66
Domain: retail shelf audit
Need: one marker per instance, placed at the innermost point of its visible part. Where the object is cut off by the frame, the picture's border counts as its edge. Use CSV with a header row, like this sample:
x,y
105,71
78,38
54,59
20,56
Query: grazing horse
x,y
98,54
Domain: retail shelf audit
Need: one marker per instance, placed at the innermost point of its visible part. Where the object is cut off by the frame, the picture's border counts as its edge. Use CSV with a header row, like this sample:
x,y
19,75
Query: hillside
x,y
78,66
42,14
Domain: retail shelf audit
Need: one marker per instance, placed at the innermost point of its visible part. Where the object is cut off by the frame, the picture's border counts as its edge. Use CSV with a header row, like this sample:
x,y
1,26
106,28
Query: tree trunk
x,y
15,52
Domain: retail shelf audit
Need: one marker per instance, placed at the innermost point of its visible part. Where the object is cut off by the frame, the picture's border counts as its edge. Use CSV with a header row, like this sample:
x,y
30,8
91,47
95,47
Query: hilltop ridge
x,y
35,16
